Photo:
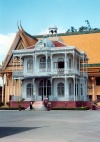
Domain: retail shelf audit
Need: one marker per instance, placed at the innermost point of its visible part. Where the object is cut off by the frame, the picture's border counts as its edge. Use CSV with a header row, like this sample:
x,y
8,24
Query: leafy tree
x,y
82,28
68,30
73,29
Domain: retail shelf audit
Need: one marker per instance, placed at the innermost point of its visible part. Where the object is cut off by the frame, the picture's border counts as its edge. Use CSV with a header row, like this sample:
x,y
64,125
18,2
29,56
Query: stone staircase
x,y
39,105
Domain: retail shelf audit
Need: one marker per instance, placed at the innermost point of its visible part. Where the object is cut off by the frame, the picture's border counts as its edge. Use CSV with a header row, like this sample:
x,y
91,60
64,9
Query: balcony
x,y
17,74
45,72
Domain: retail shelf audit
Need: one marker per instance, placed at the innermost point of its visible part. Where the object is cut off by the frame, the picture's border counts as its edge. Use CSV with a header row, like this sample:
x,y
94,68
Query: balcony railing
x,y
17,73
45,72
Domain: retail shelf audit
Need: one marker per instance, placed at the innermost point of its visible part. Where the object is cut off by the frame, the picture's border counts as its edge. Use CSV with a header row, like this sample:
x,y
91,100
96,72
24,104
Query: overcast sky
x,y
38,15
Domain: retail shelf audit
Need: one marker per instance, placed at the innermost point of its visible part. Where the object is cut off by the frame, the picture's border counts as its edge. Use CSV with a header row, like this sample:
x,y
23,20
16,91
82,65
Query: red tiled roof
x,y
58,44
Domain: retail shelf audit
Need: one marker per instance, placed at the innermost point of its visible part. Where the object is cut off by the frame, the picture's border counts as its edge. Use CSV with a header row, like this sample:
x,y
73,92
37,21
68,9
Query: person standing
x,y
31,107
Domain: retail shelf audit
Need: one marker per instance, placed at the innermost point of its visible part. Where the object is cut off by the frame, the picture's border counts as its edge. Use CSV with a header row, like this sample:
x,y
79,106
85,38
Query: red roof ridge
x,y
58,43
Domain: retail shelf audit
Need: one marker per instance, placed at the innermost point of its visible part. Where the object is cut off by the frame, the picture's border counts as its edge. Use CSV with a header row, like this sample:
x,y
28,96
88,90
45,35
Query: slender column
x,y
46,62
93,81
3,89
74,88
83,63
79,64
51,64
43,88
34,89
51,88
65,88
86,89
65,63
86,65
73,63
46,88
33,63
6,89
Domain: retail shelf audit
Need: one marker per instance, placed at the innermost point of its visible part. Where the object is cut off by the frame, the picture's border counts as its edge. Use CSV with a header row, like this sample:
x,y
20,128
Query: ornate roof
x,y
90,43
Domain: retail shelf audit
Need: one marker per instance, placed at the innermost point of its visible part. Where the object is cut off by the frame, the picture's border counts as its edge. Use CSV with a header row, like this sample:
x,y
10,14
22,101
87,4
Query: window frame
x,y
60,89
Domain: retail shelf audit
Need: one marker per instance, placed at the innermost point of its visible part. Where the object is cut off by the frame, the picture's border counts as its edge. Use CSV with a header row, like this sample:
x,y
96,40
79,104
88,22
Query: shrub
x,y
8,104
1,104
11,108
77,108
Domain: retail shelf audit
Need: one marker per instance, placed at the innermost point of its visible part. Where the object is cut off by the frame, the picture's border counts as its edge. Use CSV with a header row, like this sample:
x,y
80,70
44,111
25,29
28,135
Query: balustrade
x,y
44,71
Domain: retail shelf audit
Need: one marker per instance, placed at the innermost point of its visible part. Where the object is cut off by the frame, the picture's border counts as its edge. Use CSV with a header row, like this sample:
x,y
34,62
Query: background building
x,y
88,42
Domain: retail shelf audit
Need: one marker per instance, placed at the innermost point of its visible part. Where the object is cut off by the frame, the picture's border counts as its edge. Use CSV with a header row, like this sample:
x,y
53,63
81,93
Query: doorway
x,y
44,88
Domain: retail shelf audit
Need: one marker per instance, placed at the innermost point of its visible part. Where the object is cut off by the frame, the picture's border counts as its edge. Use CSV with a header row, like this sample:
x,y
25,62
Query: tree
x,y
82,28
88,23
68,30
73,29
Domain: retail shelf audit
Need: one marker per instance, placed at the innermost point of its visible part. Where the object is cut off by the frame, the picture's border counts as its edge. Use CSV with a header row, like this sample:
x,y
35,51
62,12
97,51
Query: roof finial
x,y
18,25
21,25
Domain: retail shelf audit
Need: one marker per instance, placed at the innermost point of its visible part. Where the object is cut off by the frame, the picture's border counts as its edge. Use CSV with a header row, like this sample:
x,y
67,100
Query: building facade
x,y
52,70
47,67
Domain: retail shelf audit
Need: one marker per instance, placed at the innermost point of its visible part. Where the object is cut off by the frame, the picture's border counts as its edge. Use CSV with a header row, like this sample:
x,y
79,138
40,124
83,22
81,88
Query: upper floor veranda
x,y
49,62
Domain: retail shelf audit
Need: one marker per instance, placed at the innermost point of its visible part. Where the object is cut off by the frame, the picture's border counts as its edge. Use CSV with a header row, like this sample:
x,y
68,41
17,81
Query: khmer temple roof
x,y
90,43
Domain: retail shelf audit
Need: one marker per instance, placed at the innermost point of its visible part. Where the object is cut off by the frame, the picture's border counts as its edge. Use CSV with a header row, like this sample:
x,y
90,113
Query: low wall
x,y
24,104
59,104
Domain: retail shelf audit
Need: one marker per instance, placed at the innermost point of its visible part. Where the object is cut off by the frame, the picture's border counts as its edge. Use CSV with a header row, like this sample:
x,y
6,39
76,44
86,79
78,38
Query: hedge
x,y
77,108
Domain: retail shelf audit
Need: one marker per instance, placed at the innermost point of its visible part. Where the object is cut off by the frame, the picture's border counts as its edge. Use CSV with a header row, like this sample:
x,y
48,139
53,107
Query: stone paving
x,y
50,126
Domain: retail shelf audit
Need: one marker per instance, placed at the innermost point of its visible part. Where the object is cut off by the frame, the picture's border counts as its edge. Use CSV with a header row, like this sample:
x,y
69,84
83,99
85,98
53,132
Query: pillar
x,y
93,88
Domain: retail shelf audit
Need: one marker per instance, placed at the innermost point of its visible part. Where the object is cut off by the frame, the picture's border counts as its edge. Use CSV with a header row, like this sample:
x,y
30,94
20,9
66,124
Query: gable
x,y
20,42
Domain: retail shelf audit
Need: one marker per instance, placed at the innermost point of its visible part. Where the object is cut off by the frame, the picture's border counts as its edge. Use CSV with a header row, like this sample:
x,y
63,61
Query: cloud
x,y
46,31
5,44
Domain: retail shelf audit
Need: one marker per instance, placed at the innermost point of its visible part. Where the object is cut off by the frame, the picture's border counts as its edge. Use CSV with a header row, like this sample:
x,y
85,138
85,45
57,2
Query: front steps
x,y
39,105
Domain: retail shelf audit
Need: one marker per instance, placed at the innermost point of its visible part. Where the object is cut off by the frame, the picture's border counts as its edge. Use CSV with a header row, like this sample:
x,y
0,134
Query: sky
x,y
38,15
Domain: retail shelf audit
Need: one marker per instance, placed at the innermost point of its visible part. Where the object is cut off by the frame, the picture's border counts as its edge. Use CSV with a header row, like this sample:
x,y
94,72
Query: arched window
x,y
29,66
29,90
43,62
60,89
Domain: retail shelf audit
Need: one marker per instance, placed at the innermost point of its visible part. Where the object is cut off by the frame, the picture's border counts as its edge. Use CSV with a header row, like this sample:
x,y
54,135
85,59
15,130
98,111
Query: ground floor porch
x,y
55,89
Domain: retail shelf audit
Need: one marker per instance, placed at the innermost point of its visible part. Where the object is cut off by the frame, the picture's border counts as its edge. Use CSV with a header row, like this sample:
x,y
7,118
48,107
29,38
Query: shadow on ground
x,y
7,131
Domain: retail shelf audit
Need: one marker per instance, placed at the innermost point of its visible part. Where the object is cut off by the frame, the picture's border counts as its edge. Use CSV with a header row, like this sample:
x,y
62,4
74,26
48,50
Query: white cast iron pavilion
x,y
50,69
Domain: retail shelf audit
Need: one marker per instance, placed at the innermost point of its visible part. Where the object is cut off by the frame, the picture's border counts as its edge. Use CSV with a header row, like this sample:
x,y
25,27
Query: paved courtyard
x,y
50,126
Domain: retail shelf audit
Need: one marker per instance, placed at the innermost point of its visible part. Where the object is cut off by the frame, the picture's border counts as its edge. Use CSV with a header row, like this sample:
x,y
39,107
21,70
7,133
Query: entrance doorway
x,y
44,88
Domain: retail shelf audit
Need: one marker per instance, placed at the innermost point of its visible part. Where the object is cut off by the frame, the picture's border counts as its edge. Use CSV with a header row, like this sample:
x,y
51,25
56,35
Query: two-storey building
x,y
50,69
